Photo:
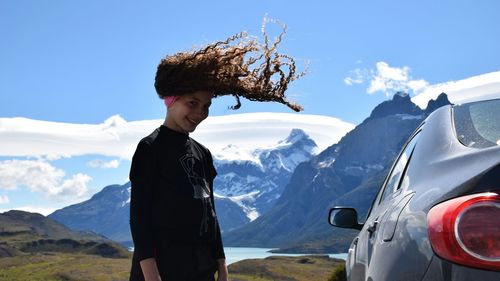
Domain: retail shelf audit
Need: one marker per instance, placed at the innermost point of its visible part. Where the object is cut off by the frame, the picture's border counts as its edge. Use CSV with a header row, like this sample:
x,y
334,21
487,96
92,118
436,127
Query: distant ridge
x,y
23,232
38,226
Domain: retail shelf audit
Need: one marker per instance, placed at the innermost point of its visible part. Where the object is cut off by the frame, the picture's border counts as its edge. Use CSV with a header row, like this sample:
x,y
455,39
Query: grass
x,y
339,274
18,239
50,266
63,267
304,268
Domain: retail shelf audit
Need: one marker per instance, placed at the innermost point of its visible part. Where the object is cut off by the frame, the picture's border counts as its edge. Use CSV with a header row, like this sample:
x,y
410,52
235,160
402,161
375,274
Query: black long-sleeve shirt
x,y
172,194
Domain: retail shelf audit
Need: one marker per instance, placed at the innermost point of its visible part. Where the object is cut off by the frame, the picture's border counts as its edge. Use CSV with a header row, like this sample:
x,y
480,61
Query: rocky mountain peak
x,y
288,153
432,105
399,104
298,135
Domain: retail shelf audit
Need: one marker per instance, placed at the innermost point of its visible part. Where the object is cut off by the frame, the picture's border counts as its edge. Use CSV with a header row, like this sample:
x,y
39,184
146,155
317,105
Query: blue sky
x,y
82,62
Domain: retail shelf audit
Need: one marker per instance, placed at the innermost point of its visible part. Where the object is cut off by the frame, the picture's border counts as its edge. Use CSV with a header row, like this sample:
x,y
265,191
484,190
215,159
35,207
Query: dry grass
x,y
305,268
66,267
72,267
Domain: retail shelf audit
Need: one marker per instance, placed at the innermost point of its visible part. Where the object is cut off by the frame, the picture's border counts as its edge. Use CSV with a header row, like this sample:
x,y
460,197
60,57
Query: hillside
x,y
23,233
304,268
20,223
34,247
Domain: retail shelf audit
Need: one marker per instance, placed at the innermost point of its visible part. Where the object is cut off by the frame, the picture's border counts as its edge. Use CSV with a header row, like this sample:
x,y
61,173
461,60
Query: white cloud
x,y
53,156
392,73
118,138
254,130
75,186
483,86
40,176
4,199
418,85
357,76
103,164
388,80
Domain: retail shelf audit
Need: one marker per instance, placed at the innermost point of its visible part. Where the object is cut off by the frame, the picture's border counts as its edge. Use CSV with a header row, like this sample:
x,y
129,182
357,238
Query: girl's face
x,y
188,111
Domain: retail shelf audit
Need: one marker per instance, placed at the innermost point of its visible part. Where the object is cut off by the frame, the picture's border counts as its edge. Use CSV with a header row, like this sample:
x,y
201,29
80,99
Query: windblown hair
x,y
238,66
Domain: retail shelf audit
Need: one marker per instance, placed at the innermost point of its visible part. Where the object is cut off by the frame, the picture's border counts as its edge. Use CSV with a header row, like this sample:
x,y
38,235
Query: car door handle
x,y
372,227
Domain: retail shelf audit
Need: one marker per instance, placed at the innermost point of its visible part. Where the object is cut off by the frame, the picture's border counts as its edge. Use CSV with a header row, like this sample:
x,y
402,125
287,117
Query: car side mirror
x,y
344,217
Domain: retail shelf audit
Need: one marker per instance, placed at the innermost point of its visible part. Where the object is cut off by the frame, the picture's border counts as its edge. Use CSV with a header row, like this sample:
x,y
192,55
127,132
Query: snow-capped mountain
x,y
256,180
248,184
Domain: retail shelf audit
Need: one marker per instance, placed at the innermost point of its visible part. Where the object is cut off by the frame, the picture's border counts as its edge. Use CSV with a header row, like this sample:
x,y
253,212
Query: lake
x,y
234,254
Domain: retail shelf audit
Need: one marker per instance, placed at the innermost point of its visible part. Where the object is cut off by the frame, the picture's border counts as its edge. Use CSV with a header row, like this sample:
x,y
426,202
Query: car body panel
x,y
440,269
389,224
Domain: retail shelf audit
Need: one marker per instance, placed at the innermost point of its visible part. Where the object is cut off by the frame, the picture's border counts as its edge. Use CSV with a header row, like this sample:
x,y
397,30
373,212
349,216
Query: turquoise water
x,y
234,254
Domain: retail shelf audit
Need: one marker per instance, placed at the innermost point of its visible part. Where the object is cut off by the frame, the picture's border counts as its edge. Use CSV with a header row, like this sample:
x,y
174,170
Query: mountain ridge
x,y
346,173
244,189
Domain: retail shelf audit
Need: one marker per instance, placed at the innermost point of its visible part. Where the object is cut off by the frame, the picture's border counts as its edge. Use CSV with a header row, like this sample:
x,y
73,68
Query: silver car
x,y
437,214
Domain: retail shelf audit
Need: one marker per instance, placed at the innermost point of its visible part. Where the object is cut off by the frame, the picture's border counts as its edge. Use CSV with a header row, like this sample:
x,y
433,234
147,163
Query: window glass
x,y
399,169
477,124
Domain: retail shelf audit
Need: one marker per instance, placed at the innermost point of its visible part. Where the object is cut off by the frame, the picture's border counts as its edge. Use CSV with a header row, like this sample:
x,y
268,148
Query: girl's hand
x,y
150,270
222,274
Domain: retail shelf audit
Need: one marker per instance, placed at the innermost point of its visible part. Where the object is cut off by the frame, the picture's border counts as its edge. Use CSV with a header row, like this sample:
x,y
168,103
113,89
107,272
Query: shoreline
x,y
235,254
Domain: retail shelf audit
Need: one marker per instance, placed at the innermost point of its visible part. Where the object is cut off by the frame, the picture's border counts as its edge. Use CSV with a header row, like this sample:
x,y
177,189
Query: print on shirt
x,y
195,173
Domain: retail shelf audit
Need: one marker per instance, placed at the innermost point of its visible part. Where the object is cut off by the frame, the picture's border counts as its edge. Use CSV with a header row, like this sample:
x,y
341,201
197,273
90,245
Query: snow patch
x,y
409,117
240,200
128,190
326,163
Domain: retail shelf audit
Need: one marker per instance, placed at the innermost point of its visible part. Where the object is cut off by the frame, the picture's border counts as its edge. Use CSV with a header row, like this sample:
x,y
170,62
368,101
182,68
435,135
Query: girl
x,y
172,215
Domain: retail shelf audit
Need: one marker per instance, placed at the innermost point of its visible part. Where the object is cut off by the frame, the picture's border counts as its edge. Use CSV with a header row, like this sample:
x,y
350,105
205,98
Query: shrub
x,y
338,274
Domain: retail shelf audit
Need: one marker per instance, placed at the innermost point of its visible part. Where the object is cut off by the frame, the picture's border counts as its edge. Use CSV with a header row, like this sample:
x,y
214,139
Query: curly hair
x,y
238,66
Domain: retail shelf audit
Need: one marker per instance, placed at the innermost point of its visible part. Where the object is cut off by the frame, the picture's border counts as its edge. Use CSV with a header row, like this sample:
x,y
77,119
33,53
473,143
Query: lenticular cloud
x,y
116,137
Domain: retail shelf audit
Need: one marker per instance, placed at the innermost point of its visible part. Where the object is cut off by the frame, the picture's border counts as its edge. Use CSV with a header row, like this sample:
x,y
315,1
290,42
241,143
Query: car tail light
x,y
466,230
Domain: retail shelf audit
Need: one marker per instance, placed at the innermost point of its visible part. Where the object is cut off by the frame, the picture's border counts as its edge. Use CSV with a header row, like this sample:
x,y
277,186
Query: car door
x,y
389,198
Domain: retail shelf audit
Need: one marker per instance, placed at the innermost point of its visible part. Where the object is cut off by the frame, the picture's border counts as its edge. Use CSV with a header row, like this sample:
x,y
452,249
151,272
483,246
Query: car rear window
x,y
478,124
